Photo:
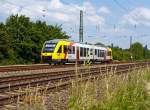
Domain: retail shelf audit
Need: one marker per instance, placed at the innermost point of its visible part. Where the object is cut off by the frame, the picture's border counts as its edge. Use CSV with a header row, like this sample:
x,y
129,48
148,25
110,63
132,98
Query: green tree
x,y
6,50
137,51
4,42
25,38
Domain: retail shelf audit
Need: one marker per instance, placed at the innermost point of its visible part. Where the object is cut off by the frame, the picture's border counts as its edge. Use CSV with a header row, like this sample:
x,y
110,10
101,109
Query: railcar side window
x,y
69,50
81,52
87,51
101,53
95,51
84,52
73,50
91,51
98,53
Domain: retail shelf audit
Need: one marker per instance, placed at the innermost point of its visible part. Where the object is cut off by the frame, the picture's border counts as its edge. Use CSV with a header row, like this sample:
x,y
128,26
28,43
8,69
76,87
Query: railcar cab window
x,y
65,49
49,47
109,53
60,49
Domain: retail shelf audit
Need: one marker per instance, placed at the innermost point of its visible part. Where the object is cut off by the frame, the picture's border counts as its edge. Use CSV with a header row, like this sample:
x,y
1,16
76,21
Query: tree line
x,y
21,41
136,52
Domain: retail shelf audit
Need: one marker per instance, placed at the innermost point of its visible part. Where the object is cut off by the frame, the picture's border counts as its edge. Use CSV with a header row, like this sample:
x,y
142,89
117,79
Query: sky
x,y
105,21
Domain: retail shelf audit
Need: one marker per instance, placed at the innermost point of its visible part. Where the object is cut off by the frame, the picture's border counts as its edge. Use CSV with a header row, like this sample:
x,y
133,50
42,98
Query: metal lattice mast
x,y
81,27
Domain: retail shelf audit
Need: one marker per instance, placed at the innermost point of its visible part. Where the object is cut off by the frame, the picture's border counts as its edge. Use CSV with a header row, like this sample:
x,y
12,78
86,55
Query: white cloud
x,y
138,16
54,11
55,4
103,10
7,8
89,8
96,20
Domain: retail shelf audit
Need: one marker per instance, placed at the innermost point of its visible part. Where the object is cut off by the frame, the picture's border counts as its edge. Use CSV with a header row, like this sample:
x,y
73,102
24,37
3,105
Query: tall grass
x,y
129,91
34,99
123,92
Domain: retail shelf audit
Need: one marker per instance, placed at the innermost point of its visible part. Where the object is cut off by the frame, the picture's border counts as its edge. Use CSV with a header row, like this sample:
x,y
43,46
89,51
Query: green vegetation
x,y
137,51
125,92
21,39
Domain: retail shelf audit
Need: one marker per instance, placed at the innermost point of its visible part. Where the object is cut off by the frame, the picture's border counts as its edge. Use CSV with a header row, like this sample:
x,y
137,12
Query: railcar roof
x,y
57,40
53,41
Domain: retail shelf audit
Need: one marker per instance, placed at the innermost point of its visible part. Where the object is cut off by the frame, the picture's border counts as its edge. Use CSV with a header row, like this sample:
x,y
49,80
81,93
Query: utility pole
x,y
130,48
130,41
145,51
81,27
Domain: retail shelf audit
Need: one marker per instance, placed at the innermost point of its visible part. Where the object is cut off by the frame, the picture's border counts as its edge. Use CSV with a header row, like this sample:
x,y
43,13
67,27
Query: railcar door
x,y
105,55
77,54
91,54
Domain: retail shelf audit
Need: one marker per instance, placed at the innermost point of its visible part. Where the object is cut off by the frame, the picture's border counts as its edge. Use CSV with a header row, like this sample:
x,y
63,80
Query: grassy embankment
x,y
124,92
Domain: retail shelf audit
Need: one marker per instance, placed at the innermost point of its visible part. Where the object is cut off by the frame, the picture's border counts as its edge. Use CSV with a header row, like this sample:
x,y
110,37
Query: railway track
x,y
10,85
29,67
15,68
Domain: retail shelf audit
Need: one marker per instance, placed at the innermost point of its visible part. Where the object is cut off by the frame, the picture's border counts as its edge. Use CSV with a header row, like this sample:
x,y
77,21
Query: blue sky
x,y
106,21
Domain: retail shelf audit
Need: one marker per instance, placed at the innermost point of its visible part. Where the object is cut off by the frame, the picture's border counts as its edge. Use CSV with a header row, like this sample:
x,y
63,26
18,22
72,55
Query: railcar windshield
x,y
49,47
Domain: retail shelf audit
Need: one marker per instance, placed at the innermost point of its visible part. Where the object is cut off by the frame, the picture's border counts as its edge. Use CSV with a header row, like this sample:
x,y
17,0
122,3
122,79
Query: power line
x,y
126,10
21,7
121,6
134,16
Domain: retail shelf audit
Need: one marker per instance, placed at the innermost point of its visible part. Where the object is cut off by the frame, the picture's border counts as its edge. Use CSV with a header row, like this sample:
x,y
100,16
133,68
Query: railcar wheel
x,y
92,61
50,63
58,63
54,63
63,63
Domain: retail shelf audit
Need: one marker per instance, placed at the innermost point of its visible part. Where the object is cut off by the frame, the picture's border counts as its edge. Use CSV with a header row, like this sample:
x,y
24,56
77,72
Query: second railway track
x,y
15,68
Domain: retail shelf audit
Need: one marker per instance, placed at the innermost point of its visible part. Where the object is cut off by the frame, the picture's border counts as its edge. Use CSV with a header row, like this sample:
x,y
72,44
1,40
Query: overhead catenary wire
x,y
23,7
125,9
72,28
43,13
135,17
